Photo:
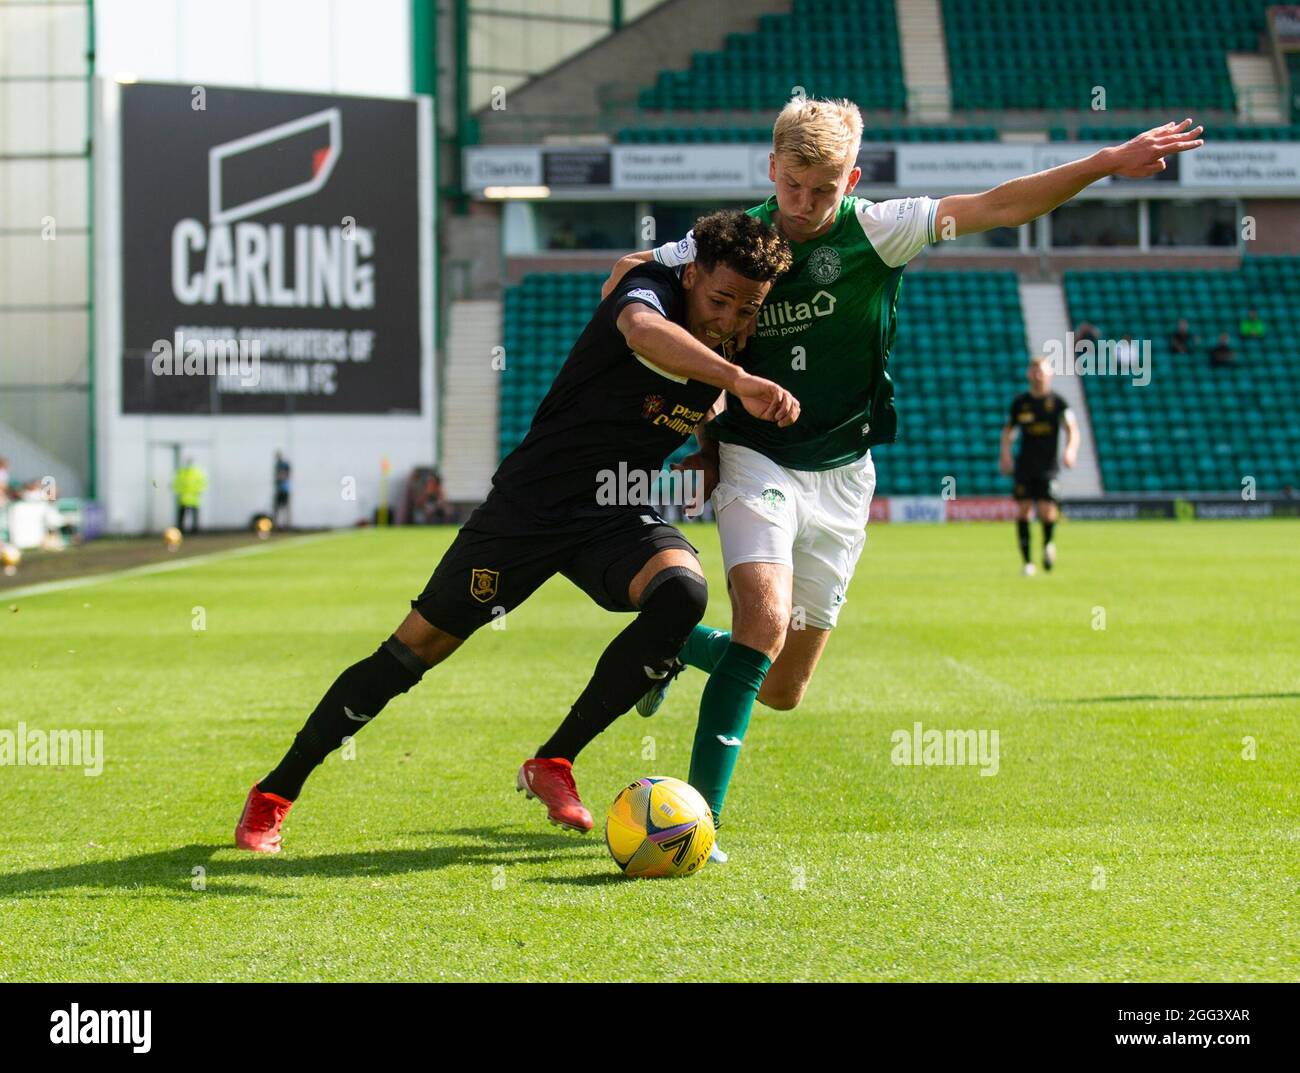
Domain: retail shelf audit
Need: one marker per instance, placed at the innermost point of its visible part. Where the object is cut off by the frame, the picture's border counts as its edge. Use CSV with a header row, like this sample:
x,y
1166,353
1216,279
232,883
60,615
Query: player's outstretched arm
x,y
621,269
1018,201
673,349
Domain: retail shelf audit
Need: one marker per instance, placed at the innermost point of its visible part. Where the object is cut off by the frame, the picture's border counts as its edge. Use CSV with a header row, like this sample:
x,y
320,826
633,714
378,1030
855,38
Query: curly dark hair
x,y
743,243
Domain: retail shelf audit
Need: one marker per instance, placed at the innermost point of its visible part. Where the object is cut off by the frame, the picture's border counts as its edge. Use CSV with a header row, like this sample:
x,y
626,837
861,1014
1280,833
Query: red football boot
x,y
552,782
259,824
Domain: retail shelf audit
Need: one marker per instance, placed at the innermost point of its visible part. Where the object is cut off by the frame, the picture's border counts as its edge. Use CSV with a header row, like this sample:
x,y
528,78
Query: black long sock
x,y
1048,529
356,697
632,662
1022,533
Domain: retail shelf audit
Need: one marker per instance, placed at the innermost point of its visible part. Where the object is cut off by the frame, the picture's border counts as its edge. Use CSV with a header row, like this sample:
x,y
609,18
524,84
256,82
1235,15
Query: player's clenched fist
x,y
766,400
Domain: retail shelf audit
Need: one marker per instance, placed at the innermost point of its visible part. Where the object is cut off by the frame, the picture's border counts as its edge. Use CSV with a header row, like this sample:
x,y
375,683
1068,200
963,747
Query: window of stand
x,y
1203,223
531,227
1101,224
672,219
998,240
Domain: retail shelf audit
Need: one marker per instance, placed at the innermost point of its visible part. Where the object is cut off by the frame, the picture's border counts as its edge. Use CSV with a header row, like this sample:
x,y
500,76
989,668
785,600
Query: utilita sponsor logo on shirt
x,y
787,318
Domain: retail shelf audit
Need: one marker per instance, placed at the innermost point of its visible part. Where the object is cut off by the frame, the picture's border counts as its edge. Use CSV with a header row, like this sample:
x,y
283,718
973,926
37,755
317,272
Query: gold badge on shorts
x,y
483,584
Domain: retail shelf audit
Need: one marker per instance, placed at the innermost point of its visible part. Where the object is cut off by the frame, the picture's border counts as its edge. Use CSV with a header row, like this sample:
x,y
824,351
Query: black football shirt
x,y
607,408
1039,421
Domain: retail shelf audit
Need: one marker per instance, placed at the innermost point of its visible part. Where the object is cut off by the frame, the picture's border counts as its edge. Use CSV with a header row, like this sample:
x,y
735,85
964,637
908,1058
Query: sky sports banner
x,y
270,246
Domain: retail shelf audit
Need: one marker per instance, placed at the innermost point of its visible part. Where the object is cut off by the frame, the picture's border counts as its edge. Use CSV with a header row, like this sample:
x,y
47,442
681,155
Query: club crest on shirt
x,y
652,405
773,496
824,264
483,584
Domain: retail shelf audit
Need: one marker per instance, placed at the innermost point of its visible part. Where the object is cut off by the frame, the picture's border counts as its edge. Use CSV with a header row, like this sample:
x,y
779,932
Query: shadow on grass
x,y
592,879
1176,699
169,873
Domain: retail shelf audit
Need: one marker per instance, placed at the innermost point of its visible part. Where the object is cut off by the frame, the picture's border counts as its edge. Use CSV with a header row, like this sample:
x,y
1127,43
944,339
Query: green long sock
x,y
704,648
725,707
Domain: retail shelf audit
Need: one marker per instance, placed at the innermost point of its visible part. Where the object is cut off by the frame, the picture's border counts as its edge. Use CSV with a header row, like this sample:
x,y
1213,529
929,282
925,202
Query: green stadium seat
x,y
951,397
1195,427
938,374
542,316
831,50
1155,54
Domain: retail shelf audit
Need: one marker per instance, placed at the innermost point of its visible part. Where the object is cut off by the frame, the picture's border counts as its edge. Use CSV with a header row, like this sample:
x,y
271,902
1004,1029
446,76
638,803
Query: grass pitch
x,y
1127,835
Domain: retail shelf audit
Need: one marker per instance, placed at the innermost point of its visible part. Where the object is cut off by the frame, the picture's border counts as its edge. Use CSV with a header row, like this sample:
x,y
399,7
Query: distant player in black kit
x,y
1038,415
640,377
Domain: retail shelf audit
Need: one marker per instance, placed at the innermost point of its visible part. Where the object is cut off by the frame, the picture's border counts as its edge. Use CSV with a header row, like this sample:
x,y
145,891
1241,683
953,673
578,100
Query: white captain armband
x,y
675,254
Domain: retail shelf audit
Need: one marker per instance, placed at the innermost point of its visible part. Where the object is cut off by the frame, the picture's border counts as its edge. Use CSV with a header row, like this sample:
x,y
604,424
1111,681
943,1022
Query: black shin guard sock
x,y
356,697
1048,529
632,662
1022,534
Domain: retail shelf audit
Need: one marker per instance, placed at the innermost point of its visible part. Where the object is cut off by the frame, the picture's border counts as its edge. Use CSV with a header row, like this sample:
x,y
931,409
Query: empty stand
x,y
543,317
1150,55
959,359
833,48
1195,427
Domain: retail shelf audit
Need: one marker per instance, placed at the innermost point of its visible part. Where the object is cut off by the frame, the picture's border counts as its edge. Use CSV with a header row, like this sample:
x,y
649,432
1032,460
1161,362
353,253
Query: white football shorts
x,y
814,521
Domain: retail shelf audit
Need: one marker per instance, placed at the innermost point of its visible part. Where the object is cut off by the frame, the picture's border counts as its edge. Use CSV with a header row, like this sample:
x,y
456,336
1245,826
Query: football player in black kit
x,y
641,376
1038,415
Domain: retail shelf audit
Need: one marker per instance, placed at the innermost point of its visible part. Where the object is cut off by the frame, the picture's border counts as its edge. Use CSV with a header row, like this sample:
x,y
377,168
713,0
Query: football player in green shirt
x,y
792,503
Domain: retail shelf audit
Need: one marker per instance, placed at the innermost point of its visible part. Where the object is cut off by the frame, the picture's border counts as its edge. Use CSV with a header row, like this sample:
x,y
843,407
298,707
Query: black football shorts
x,y
503,554
1035,484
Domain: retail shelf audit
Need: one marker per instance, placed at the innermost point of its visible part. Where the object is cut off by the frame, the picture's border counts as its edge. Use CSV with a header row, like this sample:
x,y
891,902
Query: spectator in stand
x,y
1182,341
431,507
280,502
1252,327
58,530
563,237
189,484
1223,354
1124,355
1083,334
34,492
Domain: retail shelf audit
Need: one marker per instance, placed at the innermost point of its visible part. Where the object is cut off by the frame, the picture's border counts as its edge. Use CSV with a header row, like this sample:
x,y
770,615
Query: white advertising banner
x,y
502,165
668,167
937,168
1243,165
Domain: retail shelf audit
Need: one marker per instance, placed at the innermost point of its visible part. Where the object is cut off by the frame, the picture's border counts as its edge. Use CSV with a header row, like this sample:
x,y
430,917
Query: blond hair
x,y
818,133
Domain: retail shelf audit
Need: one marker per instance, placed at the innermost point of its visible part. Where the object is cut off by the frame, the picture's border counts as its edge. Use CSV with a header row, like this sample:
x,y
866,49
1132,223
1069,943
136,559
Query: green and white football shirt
x,y
826,331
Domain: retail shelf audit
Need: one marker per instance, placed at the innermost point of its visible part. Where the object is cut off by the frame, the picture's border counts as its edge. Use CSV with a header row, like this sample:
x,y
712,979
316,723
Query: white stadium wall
x,y
361,48
325,46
